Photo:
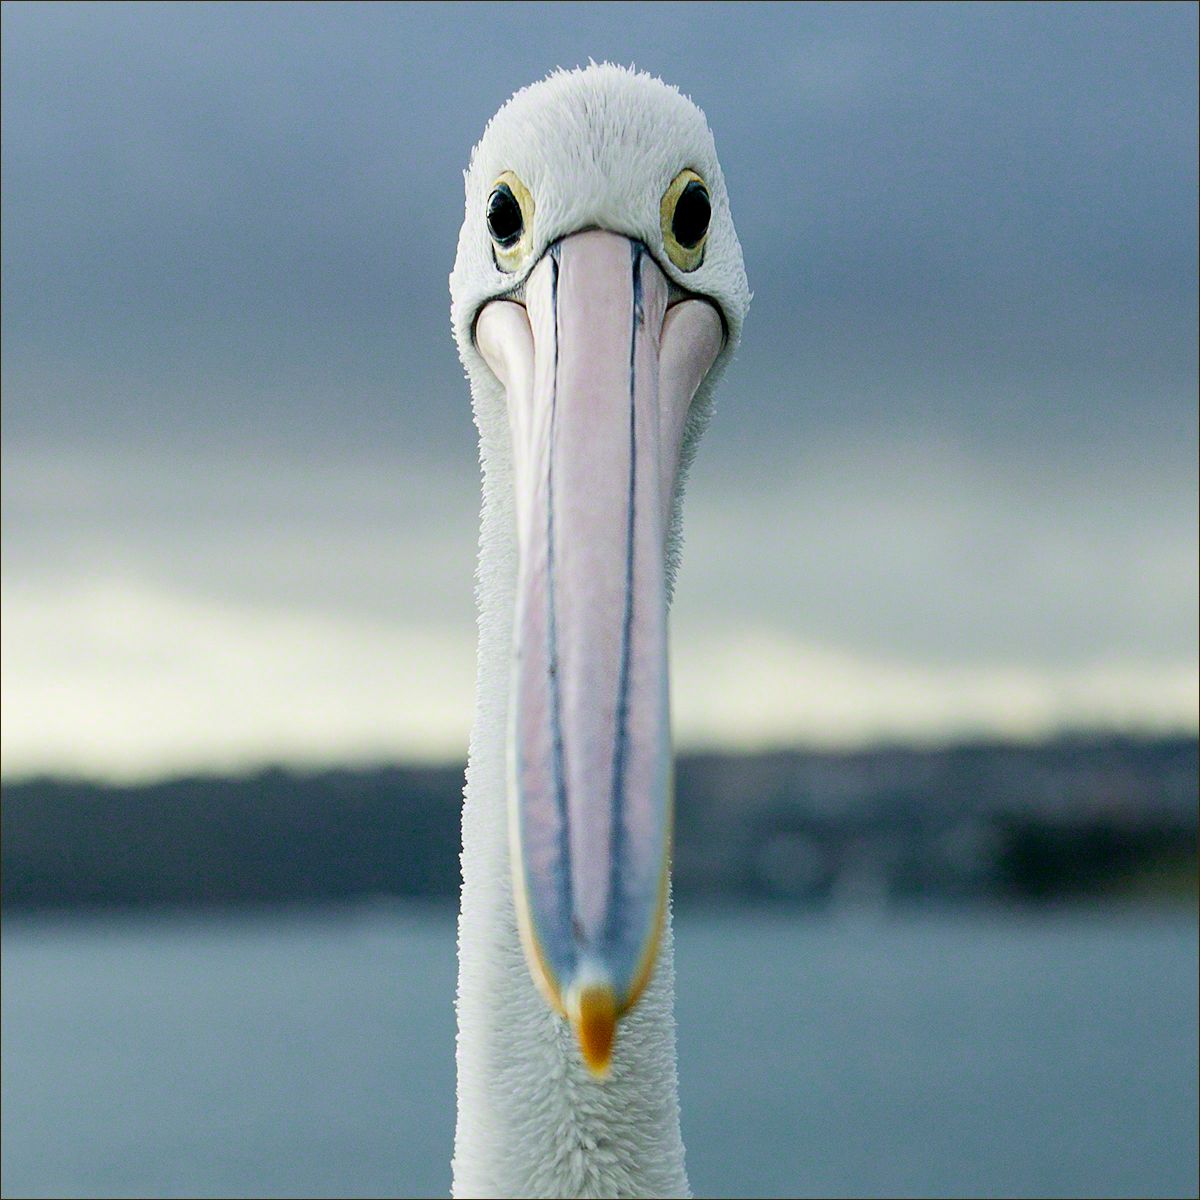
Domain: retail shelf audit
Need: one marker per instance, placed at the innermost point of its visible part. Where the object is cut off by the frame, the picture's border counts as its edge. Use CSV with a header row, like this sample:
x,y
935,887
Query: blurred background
x,y
935,638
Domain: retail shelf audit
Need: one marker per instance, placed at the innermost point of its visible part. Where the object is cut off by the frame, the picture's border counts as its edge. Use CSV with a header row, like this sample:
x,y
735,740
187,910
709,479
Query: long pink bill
x,y
599,375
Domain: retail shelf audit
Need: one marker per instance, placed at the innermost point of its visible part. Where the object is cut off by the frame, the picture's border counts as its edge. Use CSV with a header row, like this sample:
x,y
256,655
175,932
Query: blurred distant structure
x,y
1074,817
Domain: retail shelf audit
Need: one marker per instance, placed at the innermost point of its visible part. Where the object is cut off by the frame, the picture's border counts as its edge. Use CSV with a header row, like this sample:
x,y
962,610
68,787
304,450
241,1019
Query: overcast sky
x,y
951,486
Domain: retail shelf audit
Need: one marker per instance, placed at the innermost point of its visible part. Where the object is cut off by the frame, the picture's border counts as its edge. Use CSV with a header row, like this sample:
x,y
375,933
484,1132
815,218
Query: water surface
x,y
312,1053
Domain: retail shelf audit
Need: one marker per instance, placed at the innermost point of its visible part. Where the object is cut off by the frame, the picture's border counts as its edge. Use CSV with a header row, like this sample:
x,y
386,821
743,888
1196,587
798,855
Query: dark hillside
x,y
1077,816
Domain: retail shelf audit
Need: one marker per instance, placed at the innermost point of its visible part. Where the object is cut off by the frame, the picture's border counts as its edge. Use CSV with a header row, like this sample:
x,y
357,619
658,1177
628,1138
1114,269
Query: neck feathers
x,y
531,1120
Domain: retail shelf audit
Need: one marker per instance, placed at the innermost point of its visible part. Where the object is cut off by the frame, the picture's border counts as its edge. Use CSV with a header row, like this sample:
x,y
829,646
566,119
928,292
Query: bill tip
x,y
593,1015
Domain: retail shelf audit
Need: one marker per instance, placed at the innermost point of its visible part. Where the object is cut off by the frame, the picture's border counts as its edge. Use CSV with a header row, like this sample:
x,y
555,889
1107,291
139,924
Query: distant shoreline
x,y
1082,817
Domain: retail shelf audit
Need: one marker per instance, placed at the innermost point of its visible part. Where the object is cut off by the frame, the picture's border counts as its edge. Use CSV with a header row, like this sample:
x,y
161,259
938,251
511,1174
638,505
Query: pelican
x,y
597,295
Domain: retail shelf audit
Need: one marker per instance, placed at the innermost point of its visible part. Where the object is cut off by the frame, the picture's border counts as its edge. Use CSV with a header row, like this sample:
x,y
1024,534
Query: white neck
x,y
531,1120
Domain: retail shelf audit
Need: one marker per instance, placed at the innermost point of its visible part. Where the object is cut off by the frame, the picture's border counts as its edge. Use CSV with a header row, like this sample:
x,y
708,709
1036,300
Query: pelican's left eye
x,y
509,221
685,212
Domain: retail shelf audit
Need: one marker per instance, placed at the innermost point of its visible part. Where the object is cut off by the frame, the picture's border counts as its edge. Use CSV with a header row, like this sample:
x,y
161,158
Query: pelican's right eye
x,y
509,221
504,216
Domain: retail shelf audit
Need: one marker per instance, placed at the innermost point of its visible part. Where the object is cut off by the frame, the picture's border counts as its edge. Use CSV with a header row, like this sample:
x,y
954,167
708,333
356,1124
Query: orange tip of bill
x,y
593,1014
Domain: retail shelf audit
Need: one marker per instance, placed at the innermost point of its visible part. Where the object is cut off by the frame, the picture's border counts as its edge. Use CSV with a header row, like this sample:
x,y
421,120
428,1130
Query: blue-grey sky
x,y
951,485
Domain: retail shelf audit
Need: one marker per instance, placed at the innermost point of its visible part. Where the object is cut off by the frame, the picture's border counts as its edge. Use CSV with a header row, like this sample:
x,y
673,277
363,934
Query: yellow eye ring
x,y
509,218
684,216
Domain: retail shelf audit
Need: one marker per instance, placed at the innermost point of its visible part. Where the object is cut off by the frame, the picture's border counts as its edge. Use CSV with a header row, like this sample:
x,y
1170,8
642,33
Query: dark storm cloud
x,y
236,221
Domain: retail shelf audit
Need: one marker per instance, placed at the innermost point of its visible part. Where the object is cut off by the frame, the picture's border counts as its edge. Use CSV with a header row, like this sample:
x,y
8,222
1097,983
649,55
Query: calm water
x,y
312,1054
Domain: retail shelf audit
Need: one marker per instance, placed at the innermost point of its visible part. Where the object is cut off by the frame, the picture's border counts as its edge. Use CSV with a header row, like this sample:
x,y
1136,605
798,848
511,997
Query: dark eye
x,y
690,222
504,219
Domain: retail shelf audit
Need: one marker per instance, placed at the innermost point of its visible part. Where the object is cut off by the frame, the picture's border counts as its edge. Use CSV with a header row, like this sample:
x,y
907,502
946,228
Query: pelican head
x,y
598,292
